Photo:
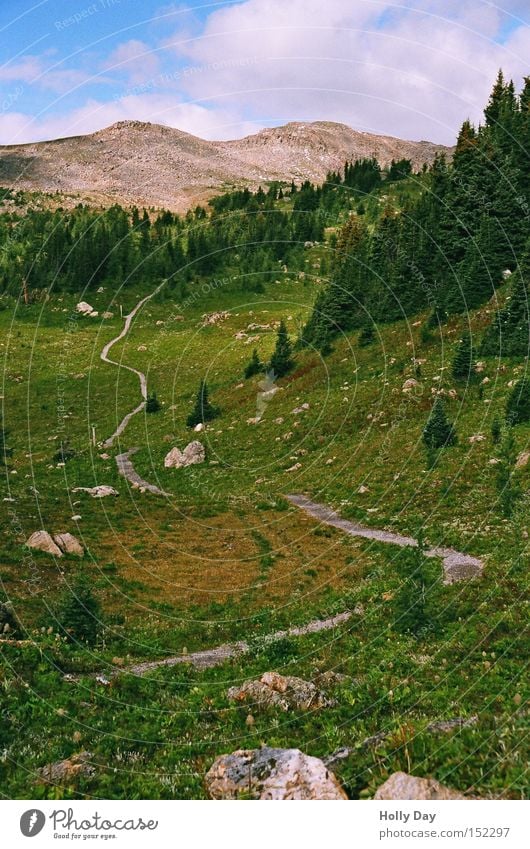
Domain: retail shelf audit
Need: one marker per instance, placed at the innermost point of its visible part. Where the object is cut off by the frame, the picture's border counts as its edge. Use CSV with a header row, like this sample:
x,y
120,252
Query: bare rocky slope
x,y
154,165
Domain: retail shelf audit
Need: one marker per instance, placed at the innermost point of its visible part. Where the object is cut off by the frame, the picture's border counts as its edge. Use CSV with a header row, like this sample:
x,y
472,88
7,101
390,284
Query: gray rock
x,y
101,491
268,774
42,541
283,691
69,544
63,772
445,726
193,454
400,785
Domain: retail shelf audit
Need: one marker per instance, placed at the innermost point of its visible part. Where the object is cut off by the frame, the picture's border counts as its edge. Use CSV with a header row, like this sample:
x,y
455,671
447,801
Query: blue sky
x,y
415,68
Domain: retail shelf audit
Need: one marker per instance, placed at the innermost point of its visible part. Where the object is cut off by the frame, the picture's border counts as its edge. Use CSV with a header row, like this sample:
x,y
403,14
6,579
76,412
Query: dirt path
x,y
218,655
457,566
126,468
141,376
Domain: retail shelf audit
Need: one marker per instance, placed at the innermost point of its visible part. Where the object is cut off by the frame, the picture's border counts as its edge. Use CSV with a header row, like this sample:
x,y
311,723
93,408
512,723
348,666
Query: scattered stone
x,y
283,691
410,385
523,460
198,427
43,541
107,314
213,318
69,544
294,468
400,785
301,409
101,491
62,772
193,454
445,726
272,774
461,567
84,308
477,437
141,348
363,489
76,518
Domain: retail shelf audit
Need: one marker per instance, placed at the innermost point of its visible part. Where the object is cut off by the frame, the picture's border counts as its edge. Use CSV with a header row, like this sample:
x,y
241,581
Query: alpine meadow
x,y
265,454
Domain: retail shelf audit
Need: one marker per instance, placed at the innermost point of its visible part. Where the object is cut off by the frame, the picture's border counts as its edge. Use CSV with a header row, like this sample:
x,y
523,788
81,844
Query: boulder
x,y
193,454
272,774
69,544
101,491
84,308
461,567
283,691
400,785
63,772
43,541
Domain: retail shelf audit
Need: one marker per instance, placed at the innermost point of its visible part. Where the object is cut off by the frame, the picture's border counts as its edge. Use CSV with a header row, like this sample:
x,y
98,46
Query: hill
x,y
154,165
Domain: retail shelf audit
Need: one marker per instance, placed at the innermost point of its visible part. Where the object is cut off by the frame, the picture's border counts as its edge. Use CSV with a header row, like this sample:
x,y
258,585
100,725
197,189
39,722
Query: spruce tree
x,y
367,335
438,432
152,405
5,452
80,611
204,410
518,405
281,361
462,367
496,430
255,366
506,485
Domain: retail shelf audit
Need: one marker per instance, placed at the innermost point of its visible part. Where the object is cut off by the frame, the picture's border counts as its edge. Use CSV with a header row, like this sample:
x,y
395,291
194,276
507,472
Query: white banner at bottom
x,y
231,825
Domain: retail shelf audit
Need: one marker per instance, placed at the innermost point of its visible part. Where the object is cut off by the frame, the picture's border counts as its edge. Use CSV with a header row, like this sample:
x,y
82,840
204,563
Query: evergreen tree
x,y
367,335
509,333
80,611
496,430
462,367
203,411
281,361
438,432
506,485
152,405
518,406
255,366
410,613
5,452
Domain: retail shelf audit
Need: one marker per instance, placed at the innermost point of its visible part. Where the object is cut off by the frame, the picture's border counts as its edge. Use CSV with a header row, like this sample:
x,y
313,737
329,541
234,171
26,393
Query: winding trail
x,y
141,376
123,461
457,566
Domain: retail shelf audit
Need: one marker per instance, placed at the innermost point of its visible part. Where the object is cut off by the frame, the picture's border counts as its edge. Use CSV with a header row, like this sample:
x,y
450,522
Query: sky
x,y
415,69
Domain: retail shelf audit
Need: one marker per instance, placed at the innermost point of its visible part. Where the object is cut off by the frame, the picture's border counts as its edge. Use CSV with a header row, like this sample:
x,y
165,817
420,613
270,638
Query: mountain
x,y
155,165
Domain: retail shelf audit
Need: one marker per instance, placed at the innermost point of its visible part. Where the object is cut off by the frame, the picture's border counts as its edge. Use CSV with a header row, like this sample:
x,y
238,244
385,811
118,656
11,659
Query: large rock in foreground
x,y
400,785
282,691
43,541
69,544
193,454
270,774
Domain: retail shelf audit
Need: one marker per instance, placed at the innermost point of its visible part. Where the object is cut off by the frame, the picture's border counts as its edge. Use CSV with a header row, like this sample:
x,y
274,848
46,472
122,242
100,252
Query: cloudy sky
x,y
411,68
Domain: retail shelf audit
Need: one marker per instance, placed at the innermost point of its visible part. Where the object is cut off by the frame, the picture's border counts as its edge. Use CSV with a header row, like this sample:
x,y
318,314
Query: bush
x,y
366,336
410,614
64,453
80,612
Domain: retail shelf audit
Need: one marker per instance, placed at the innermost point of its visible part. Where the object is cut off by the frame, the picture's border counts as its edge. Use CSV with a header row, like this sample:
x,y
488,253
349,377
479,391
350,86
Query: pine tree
x,y
5,452
152,405
438,432
506,485
496,430
462,367
518,406
255,366
509,333
281,361
410,602
80,611
367,335
203,410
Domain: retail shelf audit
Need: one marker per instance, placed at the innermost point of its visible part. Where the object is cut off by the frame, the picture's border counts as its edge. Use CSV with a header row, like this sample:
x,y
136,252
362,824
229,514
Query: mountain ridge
x,y
161,166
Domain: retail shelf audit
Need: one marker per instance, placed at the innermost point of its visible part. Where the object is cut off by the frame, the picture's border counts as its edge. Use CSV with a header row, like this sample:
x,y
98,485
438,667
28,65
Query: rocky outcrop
x,y
400,785
268,774
193,454
281,691
43,541
69,544
64,772
101,491
57,545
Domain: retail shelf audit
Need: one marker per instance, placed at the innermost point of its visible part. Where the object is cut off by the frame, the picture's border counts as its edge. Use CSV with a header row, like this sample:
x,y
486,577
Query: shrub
x,y
152,405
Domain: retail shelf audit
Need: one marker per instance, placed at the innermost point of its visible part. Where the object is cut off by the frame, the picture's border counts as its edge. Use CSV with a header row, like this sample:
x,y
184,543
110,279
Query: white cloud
x,y
136,59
